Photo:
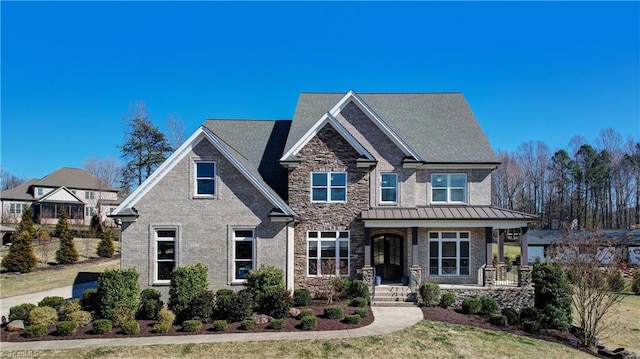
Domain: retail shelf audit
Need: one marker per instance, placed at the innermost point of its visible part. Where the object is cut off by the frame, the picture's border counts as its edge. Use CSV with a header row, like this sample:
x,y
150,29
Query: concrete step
x,y
387,295
393,304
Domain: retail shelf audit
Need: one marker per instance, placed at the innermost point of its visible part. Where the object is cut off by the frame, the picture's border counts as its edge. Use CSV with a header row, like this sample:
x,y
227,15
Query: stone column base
x,y
367,277
416,278
489,277
524,276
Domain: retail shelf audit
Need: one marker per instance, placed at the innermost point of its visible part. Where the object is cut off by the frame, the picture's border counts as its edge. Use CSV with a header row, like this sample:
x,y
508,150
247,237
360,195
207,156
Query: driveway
x,y
71,291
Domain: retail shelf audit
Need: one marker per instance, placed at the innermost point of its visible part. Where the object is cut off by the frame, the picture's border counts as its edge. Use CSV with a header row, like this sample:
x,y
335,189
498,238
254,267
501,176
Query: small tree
x,y
26,222
106,247
95,227
117,289
67,253
45,246
552,295
20,258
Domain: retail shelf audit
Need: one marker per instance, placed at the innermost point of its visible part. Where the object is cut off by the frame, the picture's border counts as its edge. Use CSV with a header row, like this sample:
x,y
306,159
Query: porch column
x,y
501,238
367,247
488,236
416,269
524,247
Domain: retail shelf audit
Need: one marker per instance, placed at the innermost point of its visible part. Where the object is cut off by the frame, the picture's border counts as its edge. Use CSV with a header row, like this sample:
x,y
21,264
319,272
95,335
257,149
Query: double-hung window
x,y
16,208
89,195
449,188
328,253
243,253
89,211
205,179
329,186
388,188
165,260
449,253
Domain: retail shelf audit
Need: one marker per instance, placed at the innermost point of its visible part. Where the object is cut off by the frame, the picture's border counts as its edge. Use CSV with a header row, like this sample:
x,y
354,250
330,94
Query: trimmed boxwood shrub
x,y
529,313
186,283
302,297
358,289
54,302
471,305
161,327
90,299
101,326
119,316
21,311
359,302
35,330
247,324
203,306
447,300
276,302
362,312
309,322
352,319
150,304
66,328
190,326
333,312
531,326
305,313
512,315
131,327
166,316
117,289
276,324
43,315
498,319
80,317
219,325
489,306
430,294
71,306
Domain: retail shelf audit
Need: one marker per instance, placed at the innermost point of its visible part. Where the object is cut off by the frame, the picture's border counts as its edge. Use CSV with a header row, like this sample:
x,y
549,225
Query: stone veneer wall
x,y
515,297
328,151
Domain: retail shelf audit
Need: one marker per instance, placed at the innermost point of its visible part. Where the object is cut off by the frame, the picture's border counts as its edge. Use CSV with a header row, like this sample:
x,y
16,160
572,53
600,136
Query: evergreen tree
x,y
21,257
106,247
26,223
67,253
95,227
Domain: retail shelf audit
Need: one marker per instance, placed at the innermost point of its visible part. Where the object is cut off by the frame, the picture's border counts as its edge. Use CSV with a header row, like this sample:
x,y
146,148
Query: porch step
x,y
393,295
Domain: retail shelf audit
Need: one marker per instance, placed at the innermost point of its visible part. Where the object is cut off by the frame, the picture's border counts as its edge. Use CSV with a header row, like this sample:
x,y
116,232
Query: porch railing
x,y
453,275
506,275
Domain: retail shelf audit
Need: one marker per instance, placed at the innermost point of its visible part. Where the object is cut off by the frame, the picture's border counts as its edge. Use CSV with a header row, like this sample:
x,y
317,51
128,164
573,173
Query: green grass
x,y
511,250
624,325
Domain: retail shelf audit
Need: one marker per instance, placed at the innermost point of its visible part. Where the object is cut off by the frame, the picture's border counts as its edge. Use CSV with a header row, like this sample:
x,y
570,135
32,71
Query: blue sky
x,y
530,71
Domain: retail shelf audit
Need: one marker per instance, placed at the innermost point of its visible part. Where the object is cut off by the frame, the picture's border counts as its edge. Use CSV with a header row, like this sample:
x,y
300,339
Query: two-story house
x,y
396,186
80,193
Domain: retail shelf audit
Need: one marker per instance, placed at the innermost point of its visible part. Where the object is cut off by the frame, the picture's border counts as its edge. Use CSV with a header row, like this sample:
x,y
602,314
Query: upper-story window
x,y
89,195
205,179
449,188
39,191
388,188
329,186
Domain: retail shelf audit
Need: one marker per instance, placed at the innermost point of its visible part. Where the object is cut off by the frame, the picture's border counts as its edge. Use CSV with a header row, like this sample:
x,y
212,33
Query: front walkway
x,y
386,320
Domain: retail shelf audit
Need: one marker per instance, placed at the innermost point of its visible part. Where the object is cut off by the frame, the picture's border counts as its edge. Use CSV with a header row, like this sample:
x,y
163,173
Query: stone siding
x,y
515,297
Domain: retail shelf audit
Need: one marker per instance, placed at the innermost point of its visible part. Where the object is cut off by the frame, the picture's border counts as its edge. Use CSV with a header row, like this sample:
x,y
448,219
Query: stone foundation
x,y
524,276
416,278
489,277
514,297
367,276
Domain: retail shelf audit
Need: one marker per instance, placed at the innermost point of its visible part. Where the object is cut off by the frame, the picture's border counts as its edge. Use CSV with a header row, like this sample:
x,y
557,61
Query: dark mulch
x,y
448,315
146,327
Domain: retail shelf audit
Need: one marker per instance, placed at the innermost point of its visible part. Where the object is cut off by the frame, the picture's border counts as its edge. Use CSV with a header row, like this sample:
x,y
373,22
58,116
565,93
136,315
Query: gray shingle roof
x,y
448,213
20,192
440,127
74,178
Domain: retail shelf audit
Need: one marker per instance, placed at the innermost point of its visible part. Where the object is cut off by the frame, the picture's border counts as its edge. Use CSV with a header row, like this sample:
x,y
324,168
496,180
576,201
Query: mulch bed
x,y
146,327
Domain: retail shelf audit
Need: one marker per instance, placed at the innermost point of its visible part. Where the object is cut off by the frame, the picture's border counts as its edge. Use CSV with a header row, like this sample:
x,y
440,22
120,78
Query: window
x,y
89,195
16,208
449,253
205,179
329,186
449,188
165,255
389,187
243,240
39,191
89,211
328,253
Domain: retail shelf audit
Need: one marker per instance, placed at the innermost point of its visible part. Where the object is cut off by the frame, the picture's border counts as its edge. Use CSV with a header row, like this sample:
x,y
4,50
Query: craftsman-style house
x,y
395,186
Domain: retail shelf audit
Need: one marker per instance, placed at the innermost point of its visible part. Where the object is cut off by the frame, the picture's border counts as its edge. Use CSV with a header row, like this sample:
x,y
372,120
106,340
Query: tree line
x,y
595,185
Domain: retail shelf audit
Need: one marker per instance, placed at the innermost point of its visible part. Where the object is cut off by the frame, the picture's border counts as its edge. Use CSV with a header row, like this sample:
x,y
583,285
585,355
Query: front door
x,y
387,256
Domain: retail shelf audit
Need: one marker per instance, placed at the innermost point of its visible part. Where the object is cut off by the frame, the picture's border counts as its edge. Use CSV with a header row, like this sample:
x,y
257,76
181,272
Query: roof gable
x,y
61,194
20,192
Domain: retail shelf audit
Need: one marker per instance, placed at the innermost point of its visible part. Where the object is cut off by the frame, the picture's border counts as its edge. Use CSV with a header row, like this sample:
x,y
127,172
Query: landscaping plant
x,y
117,289
150,304
186,283
447,300
302,297
106,248
430,294
21,311
67,253
102,326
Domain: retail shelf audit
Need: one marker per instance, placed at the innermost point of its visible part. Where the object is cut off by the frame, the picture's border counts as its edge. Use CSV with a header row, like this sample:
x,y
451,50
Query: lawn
x,y
425,339
511,250
624,330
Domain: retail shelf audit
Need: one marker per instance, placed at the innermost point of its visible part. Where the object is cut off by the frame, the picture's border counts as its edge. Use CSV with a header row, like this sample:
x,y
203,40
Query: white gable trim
x,y
182,151
49,197
328,118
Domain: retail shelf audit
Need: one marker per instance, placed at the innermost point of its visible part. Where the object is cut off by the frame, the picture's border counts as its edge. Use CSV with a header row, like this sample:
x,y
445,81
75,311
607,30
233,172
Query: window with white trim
x,y
329,186
165,259
449,253
449,188
89,211
39,191
243,253
89,195
388,188
328,253
205,184
16,208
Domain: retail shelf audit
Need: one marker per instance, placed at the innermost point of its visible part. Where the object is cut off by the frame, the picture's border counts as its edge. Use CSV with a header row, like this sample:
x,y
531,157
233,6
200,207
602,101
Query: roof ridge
x,y
382,93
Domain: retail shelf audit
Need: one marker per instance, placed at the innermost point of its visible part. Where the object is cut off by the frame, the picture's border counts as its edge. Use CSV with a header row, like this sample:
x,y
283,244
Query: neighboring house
x,y
79,192
356,185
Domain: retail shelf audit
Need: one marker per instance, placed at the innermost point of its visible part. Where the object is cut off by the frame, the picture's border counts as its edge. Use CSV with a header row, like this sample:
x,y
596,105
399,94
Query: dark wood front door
x,y
387,256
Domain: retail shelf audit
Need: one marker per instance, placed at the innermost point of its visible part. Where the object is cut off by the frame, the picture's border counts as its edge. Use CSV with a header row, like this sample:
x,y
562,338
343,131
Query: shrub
x,y
71,306
499,320
276,303
35,330
219,325
447,300
80,317
101,326
333,312
67,253
276,324
95,227
21,311
90,299
531,326
362,312
121,315
191,325
488,306
553,317
247,324
106,248
551,287
224,291
359,302
358,289
117,289
529,313
162,327
352,319
52,302
302,297
617,283
430,293
512,315
340,287
66,328
131,327
236,307
305,313
20,257
203,306
43,315
309,322
262,283
186,283
471,305
635,284
166,316
150,304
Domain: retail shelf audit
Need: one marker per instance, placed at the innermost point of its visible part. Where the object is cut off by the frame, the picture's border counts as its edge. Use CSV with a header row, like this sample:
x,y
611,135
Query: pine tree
x,y
21,257
26,223
95,227
106,247
67,254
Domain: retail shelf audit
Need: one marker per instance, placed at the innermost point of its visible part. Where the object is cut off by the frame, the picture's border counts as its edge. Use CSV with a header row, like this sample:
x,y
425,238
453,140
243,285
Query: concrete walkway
x,y
387,320
71,291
